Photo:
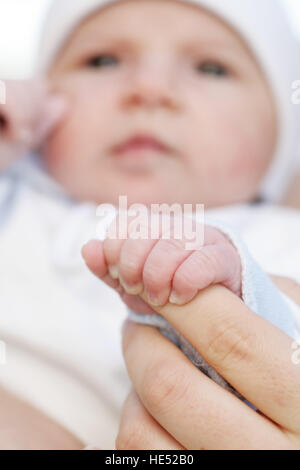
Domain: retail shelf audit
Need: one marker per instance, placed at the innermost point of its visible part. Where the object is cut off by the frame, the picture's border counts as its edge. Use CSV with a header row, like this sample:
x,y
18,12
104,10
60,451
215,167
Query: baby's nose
x,y
152,84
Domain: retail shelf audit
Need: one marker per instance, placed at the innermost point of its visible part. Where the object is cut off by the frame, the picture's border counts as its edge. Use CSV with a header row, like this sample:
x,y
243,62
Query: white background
x,y
20,23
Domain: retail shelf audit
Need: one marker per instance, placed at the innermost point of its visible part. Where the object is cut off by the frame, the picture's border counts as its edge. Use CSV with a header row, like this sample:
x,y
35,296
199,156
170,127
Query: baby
x,y
158,108
200,108
170,102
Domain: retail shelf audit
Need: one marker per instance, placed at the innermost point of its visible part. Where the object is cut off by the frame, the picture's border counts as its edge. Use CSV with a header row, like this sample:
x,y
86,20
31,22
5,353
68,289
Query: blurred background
x,y
20,23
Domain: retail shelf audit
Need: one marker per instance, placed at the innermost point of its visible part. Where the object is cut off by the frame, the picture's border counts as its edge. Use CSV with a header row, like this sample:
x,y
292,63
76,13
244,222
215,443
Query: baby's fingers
x,y
133,256
212,264
160,267
126,256
94,257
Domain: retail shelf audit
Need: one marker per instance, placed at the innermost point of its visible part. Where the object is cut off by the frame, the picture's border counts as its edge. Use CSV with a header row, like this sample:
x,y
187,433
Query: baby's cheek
x,y
249,161
244,144
244,154
250,132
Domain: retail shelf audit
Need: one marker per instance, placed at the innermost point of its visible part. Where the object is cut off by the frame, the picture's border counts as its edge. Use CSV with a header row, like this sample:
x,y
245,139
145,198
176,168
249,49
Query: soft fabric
x,y
264,27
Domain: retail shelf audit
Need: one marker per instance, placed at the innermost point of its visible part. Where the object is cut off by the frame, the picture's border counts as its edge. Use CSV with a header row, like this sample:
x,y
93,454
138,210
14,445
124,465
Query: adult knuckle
x,y
230,342
130,436
164,386
126,441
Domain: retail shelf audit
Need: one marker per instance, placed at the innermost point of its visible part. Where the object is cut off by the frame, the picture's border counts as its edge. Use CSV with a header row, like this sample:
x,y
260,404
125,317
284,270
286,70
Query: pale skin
x,y
171,391
163,269
253,355
249,352
172,88
188,86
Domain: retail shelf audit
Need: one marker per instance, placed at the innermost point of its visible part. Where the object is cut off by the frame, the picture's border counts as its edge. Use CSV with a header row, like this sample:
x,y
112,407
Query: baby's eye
x,y
103,60
214,69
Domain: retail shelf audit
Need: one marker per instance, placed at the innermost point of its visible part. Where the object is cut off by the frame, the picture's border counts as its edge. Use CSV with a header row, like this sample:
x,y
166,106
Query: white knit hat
x,y
264,26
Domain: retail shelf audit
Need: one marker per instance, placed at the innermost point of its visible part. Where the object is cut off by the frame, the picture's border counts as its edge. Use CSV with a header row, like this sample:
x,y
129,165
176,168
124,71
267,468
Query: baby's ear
x,y
52,113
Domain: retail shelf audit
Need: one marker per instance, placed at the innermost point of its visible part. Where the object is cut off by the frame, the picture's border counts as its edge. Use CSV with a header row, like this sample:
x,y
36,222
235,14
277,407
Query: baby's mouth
x,y
139,144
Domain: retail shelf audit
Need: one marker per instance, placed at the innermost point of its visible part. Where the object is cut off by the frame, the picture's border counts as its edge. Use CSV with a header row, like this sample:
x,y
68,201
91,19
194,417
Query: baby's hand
x,y
27,116
163,269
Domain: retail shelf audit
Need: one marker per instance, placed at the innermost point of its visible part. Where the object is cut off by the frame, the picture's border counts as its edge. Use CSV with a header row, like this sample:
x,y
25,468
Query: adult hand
x,y
175,406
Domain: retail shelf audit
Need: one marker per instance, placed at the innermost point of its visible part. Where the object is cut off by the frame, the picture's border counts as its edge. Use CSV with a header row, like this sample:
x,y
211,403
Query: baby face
x,y
167,105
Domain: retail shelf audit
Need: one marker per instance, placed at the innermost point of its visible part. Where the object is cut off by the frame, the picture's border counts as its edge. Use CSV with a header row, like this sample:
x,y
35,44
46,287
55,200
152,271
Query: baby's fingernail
x,y
113,271
132,289
153,299
175,298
